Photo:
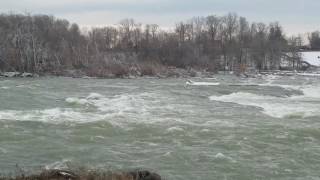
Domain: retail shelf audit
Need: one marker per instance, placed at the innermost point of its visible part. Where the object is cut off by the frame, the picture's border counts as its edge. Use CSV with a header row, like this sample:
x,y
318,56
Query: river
x,y
222,128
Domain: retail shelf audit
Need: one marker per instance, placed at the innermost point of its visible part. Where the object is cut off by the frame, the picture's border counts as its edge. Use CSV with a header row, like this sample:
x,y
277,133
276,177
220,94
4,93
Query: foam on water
x,y
130,106
220,156
270,81
58,165
95,96
3,150
117,104
124,103
309,74
77,101
311,92
175,129
193,83
85,101
302,106
55,115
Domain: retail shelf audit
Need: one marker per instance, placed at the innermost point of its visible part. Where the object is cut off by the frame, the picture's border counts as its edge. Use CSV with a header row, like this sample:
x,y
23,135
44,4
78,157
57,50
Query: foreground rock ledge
x,y
90,175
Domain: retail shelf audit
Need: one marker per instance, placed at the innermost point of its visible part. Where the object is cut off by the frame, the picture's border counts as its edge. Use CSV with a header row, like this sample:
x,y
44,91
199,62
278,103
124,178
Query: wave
x,y
306,105
95,96
54,115
194,83
85,101
311,91
3,150
118,104
77,101
59,165
113,109
309,74
4,87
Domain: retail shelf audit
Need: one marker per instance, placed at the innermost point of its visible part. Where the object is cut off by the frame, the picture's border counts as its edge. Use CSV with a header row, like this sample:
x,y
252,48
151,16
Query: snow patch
x,y
312,57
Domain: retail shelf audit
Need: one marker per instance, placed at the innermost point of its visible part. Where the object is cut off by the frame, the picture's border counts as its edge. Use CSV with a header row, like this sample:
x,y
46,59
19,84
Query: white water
x,y
306,105
201,83
55,115
257,128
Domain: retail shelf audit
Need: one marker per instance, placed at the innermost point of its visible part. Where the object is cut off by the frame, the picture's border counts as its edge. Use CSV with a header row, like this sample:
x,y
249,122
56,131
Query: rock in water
x,y
145,175
62,174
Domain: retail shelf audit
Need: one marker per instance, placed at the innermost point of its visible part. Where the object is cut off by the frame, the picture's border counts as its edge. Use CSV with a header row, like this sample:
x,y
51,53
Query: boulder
x,y
145,175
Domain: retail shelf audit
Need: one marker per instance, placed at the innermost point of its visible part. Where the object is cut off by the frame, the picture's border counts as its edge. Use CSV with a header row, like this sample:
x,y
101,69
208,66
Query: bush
x,y
149,69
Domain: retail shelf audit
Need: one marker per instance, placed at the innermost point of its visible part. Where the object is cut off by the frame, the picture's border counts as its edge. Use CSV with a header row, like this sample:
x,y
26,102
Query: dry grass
x,y
150,68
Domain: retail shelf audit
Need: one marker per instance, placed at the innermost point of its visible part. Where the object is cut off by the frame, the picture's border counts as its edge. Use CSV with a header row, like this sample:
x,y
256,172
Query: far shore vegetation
x,y
43,44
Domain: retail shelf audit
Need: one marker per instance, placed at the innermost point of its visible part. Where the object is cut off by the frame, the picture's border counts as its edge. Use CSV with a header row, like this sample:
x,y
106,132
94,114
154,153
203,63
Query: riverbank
x,y
159,73
87,175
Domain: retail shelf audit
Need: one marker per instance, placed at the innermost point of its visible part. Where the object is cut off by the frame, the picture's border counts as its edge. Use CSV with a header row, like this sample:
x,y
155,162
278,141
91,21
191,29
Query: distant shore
x,y
168,73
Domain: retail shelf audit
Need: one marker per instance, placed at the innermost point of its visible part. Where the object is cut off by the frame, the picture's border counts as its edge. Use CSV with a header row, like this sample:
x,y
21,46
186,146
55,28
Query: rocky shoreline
x,y
168,73
87,175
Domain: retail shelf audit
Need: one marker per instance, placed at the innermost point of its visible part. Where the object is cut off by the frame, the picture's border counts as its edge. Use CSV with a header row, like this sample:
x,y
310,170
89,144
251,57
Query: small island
x,y
32,45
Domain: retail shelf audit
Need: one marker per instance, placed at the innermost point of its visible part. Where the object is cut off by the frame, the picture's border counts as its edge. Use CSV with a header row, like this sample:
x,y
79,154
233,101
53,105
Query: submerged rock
x,y
145,175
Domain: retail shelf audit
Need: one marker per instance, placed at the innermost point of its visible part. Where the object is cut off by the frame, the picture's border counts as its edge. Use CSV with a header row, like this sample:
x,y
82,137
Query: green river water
x,y
223,128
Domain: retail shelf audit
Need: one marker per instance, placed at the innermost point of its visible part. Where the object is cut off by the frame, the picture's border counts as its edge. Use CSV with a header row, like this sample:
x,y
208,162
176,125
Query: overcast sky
x,y
296,16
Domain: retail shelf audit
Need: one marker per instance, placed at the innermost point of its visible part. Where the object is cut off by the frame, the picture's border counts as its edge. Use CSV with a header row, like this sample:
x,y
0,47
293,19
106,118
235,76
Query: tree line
x,y
45,44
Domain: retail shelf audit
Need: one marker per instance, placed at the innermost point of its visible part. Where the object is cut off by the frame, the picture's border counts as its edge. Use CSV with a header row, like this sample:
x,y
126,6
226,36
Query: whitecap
x,y
77,101
309,74
270,78
59,165
167,153
94,96
173,129
205,130
123,104
115,109
3,150
278,107
220,156
194,83
90,99
100,137
311,91
54,115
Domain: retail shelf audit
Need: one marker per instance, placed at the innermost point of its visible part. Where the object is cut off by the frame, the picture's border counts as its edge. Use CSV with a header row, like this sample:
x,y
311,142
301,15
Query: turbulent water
x,y
223,128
